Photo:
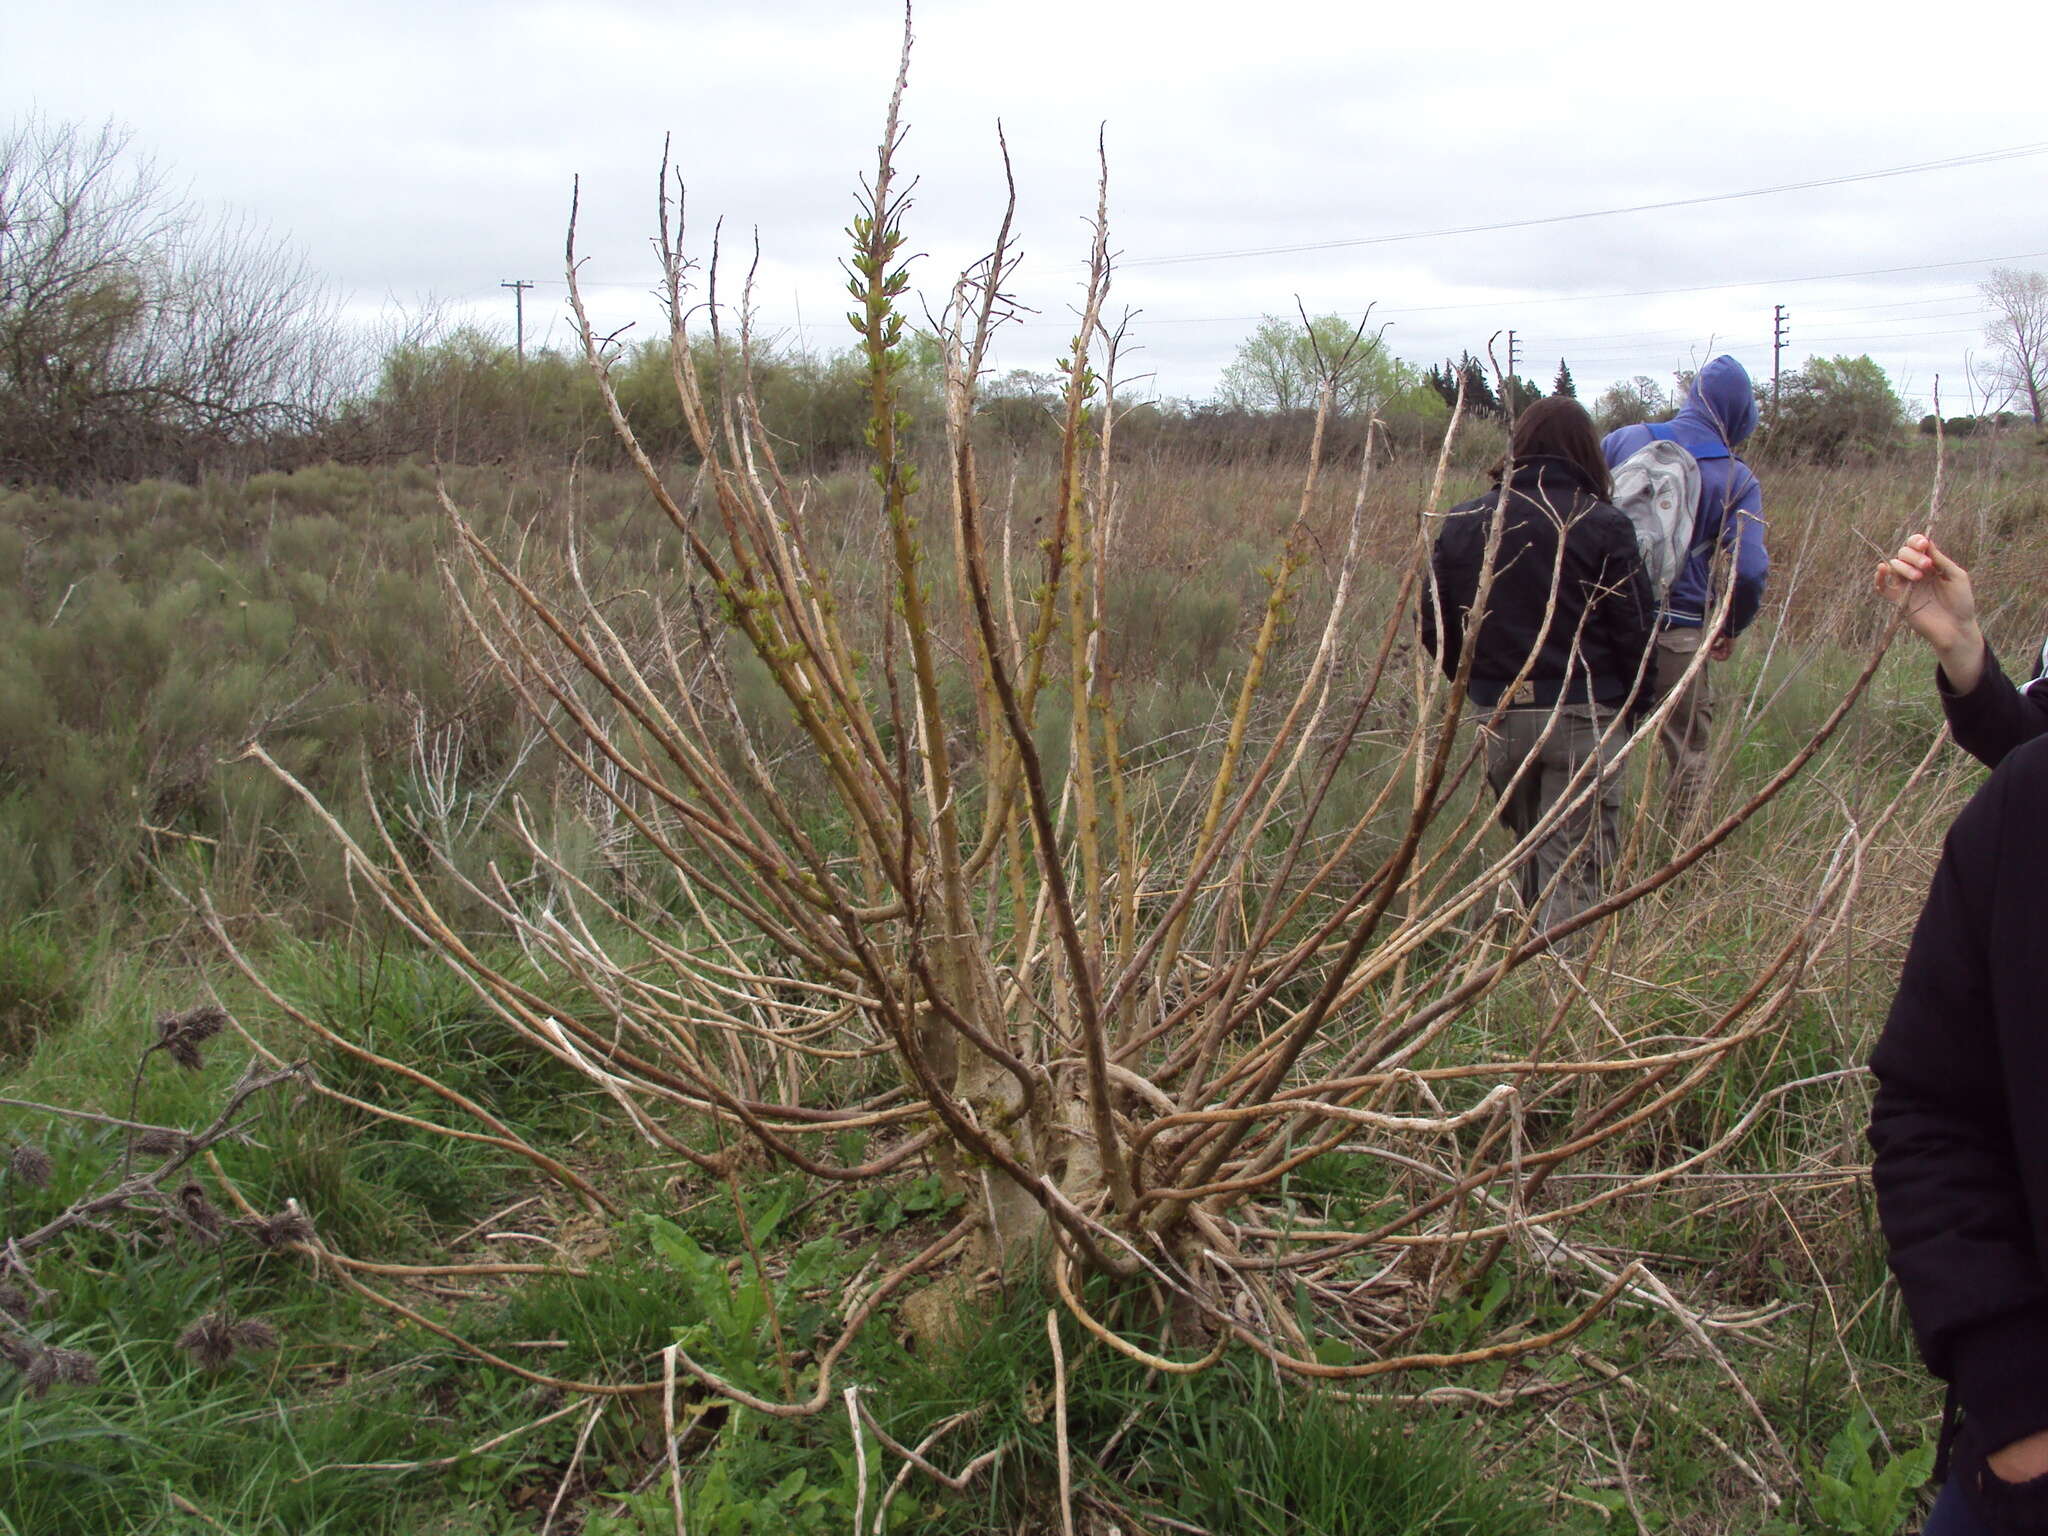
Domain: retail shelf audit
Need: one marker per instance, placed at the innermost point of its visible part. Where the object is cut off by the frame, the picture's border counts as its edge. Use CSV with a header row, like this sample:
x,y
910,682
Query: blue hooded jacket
x,y
1719,412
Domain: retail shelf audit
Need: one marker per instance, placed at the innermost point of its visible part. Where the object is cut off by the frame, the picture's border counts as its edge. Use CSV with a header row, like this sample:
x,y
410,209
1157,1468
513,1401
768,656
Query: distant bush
x,y
468,398
1831,408
39,985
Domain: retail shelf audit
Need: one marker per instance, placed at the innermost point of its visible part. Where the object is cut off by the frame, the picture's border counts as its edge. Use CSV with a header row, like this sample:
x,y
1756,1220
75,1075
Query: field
x,y
448,1358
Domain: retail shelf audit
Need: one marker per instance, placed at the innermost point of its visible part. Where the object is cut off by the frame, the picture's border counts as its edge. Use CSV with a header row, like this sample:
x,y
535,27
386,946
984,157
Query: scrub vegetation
x,y
950,978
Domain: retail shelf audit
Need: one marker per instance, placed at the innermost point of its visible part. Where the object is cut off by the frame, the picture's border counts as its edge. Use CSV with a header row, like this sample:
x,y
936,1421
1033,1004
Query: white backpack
x,y
1658,486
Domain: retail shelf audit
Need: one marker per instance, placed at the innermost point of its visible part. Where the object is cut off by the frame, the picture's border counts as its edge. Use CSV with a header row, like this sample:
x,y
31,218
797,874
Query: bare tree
x,y
134,331
2018,336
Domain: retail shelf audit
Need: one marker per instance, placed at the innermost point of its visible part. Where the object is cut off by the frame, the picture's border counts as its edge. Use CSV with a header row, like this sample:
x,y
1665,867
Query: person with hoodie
x,y
1558,643
1987,714
1719,412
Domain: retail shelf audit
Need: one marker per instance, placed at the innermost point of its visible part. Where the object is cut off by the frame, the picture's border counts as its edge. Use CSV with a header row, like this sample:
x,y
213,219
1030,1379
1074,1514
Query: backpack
x,y
1658,487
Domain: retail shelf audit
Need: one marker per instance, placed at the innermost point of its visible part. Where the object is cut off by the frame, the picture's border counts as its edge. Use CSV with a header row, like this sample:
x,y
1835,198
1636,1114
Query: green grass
x,y
121,713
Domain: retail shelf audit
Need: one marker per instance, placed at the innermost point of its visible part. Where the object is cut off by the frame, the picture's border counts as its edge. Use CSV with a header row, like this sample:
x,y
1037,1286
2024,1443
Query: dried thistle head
x,y
40,1374
14,1302
30,1165
198,1210
158,1141
279,1231
74,1366
42,1369
254,1333
180,1034
201,1023
210,1341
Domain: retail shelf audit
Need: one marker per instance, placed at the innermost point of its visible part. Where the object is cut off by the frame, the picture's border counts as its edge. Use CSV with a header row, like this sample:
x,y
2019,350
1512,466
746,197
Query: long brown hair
x,y
1558,427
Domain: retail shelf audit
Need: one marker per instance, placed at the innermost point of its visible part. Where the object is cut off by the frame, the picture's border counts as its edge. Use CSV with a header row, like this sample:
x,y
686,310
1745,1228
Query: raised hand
x,y
1934,594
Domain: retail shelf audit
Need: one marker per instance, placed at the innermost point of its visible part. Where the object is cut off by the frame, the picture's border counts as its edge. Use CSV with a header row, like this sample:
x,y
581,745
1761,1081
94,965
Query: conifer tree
x,y
1563,384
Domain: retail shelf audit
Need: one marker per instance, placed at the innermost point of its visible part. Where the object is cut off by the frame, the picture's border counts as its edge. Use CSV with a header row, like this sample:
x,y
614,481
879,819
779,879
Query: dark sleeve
x,y
1993,717
1744,529
1628,606
1455,581
1948,1180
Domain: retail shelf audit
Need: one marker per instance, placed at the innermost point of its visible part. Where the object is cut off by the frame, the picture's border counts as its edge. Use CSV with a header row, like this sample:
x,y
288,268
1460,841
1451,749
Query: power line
x,y
1523,301
1598,338
1948,163
1867,336
1608,341
1609,357
1936,298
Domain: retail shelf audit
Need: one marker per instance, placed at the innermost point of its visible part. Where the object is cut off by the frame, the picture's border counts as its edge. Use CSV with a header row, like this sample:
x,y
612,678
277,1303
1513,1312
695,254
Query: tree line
x,y
140,336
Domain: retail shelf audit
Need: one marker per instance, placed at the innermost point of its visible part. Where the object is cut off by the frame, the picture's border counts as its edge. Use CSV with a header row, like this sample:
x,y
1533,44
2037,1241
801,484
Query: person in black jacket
x,y
1560,646
1987,714
1961,1142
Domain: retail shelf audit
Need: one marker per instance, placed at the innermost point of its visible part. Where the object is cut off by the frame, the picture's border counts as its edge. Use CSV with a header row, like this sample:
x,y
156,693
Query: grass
x,y
120,713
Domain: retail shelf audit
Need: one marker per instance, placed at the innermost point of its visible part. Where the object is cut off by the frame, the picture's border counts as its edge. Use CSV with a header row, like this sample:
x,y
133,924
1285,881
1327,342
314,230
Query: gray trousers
x,y
1686,734
1564,873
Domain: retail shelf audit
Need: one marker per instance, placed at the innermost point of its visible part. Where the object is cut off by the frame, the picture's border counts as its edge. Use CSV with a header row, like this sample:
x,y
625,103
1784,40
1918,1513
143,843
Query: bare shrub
x,y
136,335
942,912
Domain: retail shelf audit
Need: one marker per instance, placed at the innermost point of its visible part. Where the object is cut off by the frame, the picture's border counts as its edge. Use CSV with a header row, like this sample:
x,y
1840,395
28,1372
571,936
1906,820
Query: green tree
x,y
1519,393
1629,402
1480,399
1279,368
1562,384
1832,407
1021,407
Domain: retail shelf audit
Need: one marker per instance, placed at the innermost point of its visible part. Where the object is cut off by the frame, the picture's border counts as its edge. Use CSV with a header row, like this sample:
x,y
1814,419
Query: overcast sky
x,y
425,150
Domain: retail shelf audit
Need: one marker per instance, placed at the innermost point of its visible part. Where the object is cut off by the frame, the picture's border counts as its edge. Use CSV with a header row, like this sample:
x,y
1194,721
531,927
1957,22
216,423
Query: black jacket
x,y
1993,717
1605,616
1960,1121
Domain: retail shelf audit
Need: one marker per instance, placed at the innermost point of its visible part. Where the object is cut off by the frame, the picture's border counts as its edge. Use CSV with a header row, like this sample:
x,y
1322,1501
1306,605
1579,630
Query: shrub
x,y
40,984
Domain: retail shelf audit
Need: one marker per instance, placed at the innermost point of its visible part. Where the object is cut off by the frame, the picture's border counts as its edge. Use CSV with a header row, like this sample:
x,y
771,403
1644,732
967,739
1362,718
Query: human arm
x,y
1448,592
1947,1173
1626,612
1744,529
1994,717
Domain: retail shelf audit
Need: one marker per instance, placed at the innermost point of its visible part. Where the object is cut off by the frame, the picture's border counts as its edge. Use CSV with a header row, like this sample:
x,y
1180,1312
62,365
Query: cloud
x,y
417,149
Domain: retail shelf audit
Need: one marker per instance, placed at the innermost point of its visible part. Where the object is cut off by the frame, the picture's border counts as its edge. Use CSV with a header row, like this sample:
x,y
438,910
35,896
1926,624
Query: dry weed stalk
x,y
1116,1027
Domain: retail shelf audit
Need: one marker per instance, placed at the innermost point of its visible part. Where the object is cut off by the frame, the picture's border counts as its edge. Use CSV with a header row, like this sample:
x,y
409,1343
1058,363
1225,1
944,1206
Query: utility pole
x,y
1778,319
1513,391
519,287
